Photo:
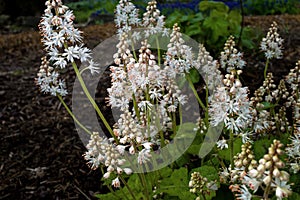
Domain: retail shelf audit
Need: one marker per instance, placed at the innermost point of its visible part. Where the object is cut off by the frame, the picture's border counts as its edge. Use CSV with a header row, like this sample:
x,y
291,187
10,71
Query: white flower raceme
x,y
271,45
153,21
293,151
231,59
101,151
209,68
230,105
62,43
126,16
179,57
49,81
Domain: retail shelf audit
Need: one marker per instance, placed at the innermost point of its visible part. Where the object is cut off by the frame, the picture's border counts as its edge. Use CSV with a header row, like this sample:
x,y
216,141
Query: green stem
x,y
231,149
144,183
197,97
268,188
72,115
87,93
127,186
266,68
158,50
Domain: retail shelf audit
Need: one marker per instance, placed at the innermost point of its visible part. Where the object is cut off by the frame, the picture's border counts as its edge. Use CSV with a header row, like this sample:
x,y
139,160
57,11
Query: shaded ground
x,y
40,151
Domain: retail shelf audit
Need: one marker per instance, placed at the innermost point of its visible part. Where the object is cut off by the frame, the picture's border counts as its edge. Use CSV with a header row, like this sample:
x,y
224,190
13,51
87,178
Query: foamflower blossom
x,y
244,193
230,58
283,190
179,56
222,144
126,16
230,105
153,20
101,151
116,183
271,45
62,43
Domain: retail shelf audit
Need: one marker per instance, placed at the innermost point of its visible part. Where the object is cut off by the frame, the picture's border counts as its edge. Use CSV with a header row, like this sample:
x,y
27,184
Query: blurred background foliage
x,y
209,22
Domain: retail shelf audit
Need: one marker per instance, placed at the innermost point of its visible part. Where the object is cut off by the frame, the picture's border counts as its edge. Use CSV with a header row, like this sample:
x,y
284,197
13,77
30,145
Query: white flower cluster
x,y
153,21
230,105
153,93
126,16
293,151
100,150
271,45
209,68
63,44
48,80
179,57
230,58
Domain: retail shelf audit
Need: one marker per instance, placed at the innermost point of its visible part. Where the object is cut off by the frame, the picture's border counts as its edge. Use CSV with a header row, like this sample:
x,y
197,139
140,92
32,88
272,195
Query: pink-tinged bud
x,y
271,151
261,168
267,157
279,164
267,180
268,164
253,173
238,83
276,173
119,170
275,158
279,151
232,90
127,171
284,176
245,161
262,161
106,175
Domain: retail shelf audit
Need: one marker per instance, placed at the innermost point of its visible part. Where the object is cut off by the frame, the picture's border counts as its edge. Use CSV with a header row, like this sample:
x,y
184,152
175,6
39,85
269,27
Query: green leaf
x,y
107,196
260,147
210,5
177,185
193,30
208,172
218,24
194,74
225,153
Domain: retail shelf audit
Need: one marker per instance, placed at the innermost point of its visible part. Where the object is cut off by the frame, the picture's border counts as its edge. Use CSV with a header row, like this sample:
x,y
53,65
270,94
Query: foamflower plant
x,y
256,154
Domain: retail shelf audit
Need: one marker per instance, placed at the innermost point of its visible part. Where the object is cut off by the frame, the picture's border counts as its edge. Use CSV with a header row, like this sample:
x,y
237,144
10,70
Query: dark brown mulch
x,y
40,151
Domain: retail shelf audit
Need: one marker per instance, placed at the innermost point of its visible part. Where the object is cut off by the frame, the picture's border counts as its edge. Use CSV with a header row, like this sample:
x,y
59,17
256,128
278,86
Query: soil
x,y
40,151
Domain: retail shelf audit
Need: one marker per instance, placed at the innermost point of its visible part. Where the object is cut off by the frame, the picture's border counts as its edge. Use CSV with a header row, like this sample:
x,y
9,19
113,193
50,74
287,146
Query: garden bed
x,y
40,152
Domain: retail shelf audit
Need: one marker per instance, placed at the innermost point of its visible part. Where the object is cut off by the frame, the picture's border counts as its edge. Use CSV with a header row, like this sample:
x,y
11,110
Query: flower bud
x,y
276,172
267,180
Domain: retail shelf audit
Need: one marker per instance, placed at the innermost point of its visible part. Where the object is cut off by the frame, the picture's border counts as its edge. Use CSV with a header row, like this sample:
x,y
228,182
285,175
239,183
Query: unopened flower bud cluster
x,y
153,20
271,45
269,173
100,151
199,185
209,68
231,59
